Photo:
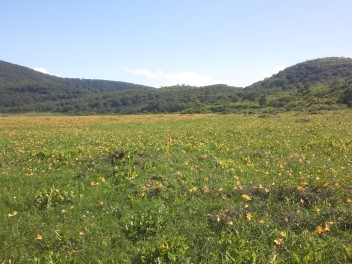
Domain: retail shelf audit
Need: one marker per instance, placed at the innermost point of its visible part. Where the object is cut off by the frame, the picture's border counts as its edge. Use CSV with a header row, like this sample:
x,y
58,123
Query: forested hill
x,y
320,84
305,74
14,77
22,88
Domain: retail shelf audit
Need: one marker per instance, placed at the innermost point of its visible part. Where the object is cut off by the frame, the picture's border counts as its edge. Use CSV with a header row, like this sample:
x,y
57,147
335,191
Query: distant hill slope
x,y
326,81
307,73
21,86
312,85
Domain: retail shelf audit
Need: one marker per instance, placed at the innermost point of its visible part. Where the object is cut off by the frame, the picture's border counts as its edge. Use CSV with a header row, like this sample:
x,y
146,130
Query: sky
x,y
168,42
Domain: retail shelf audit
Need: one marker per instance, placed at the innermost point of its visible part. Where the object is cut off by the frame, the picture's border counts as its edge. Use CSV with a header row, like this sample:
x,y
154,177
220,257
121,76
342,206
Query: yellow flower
x,y
246,197
12,214
261,221
229,222
38,237
159,186
326,228
300,189
349,200
94,184
279,241
249,216
319,230
193,189
283,234
102,180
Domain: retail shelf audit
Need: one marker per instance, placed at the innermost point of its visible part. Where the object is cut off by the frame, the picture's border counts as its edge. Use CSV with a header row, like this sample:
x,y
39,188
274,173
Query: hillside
x,y
312,85
326,81
22,87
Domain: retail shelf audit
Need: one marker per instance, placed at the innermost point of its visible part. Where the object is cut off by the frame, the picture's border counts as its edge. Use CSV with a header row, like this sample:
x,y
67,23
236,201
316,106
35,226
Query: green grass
x,y
176,189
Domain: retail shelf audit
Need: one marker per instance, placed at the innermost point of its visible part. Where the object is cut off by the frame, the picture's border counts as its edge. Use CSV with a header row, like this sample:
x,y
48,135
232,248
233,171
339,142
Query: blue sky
x,y
166,42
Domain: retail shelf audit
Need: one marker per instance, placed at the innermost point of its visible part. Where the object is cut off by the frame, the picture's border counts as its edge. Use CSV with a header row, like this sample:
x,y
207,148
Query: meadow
x,y
176,188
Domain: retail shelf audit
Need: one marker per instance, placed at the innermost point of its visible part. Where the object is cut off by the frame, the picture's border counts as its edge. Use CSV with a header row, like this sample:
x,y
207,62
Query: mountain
x,y
312,85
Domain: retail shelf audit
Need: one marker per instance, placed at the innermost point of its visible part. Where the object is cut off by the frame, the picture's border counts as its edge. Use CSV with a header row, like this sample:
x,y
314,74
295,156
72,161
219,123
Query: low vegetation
x,y
176,188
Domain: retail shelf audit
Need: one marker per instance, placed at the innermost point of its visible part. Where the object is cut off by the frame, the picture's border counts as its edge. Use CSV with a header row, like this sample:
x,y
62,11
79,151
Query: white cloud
x,y
276,70
173,78
41,69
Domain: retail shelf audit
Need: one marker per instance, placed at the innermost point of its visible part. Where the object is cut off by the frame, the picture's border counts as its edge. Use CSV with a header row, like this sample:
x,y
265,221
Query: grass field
x,y
176,189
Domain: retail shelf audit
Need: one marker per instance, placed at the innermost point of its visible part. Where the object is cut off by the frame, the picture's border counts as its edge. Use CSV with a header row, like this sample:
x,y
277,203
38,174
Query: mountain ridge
x,y
323,83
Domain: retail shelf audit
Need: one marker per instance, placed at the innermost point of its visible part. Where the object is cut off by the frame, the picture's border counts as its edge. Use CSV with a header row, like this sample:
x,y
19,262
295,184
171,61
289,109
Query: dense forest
x,y
320,84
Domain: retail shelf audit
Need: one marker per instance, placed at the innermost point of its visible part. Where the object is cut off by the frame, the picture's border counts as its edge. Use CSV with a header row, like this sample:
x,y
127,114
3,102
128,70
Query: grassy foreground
x,y
176,189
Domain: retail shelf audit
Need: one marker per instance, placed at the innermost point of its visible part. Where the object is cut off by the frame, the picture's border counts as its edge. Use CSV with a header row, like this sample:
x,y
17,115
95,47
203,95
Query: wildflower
x,y
349,200
319,230
283,234
300,189
261,221
193,189
102,180
249,216
163,246
279,241
246,197
38,237
12,214
94,184
159,186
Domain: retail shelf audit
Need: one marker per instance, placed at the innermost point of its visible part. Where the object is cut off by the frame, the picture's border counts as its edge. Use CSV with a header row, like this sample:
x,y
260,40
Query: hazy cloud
x,y
173,78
